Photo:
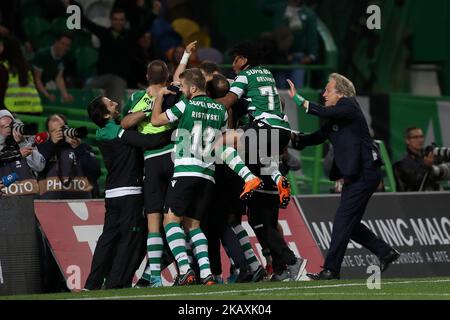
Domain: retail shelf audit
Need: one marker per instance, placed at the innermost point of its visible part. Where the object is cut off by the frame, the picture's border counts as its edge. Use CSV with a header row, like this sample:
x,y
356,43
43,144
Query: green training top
x,y
141,101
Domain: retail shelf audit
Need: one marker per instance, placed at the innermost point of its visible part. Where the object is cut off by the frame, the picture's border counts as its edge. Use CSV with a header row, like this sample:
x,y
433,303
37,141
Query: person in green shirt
x,y
257,85
158,165
48,65
297,24
264,139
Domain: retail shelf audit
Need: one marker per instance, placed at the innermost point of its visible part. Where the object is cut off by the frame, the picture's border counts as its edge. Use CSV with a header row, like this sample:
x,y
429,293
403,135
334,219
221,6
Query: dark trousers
x,y
263,218
213,227
347,222
122,245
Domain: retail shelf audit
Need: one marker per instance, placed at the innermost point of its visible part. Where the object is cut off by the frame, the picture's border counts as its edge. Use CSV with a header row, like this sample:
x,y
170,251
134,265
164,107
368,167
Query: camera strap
x,y
425,178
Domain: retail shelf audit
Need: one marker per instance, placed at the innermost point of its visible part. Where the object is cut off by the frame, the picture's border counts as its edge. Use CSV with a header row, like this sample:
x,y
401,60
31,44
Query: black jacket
x,y
64,161
348,132
411,172
116,51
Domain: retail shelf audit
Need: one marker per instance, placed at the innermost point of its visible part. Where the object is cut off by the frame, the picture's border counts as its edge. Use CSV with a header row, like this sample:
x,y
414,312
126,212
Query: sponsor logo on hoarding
x,y
417,225
73,229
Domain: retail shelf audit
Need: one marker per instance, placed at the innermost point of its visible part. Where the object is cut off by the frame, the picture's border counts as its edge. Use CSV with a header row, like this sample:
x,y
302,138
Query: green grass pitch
x,y
391,289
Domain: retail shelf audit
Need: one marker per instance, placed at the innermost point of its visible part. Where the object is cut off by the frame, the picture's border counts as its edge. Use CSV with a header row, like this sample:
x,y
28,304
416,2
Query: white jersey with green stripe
x,y
199,119
257,85
142,101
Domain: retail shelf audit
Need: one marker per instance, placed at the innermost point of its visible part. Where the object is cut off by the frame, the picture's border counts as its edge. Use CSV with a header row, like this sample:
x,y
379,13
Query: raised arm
x,y
340,111
184,61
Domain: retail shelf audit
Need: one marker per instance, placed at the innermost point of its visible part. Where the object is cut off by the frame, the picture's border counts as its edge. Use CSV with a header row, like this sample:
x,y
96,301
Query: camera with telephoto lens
x,y
24,129
441,167
73,133
441,172
440,154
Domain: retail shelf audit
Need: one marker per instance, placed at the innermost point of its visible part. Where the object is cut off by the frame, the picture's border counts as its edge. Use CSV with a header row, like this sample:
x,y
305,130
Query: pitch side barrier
x,y
416,224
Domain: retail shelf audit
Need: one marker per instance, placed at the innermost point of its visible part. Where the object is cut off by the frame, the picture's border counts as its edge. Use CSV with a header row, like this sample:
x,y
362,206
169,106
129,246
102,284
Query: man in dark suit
x,y
357,161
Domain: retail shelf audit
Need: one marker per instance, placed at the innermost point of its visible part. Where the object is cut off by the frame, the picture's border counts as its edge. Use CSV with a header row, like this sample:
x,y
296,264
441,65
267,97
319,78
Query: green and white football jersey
x,y
198,121
141,101
257,85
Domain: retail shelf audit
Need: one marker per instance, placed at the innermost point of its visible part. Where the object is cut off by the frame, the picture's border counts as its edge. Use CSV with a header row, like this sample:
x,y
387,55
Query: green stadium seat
x,y
35,26
59,26
81,39
185,27
202,37
31,8
71,113
86,58
44,40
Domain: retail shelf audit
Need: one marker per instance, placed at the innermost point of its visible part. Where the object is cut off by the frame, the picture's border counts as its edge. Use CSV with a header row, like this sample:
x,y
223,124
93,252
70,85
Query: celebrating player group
x,y
197,153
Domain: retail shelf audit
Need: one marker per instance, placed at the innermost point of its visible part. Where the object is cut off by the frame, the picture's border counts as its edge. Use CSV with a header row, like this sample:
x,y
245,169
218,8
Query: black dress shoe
x,y
388,259
325,274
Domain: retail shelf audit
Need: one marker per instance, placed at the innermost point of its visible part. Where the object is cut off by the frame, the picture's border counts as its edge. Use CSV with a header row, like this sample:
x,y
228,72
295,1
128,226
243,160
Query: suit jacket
x,y
348,132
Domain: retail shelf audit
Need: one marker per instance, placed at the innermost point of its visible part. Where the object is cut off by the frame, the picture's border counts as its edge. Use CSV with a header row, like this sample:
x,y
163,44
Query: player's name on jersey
x,y
265,79
266,75
205,116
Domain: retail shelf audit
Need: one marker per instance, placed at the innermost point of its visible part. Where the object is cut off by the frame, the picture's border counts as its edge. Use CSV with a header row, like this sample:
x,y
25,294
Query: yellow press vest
x,y
22,99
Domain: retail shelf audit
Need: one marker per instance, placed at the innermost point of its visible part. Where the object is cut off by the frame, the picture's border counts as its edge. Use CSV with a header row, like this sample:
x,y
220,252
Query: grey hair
x,y
343,85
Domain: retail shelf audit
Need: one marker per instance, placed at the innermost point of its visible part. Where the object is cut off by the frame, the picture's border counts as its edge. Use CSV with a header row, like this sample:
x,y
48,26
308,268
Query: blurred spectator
x,y
53,8
415,171
72,169
11,20
48,65
209,69
174,56
138,13
145,53
277,45
301,22
115,58
27,162
17,89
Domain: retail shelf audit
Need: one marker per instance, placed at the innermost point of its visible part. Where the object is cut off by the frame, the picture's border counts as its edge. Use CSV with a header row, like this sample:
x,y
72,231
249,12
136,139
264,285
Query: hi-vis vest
x,y
22,99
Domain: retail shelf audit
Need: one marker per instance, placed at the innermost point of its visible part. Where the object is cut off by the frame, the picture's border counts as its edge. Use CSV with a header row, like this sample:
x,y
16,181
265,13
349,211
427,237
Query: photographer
x,y
421,168
72,170
18,156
